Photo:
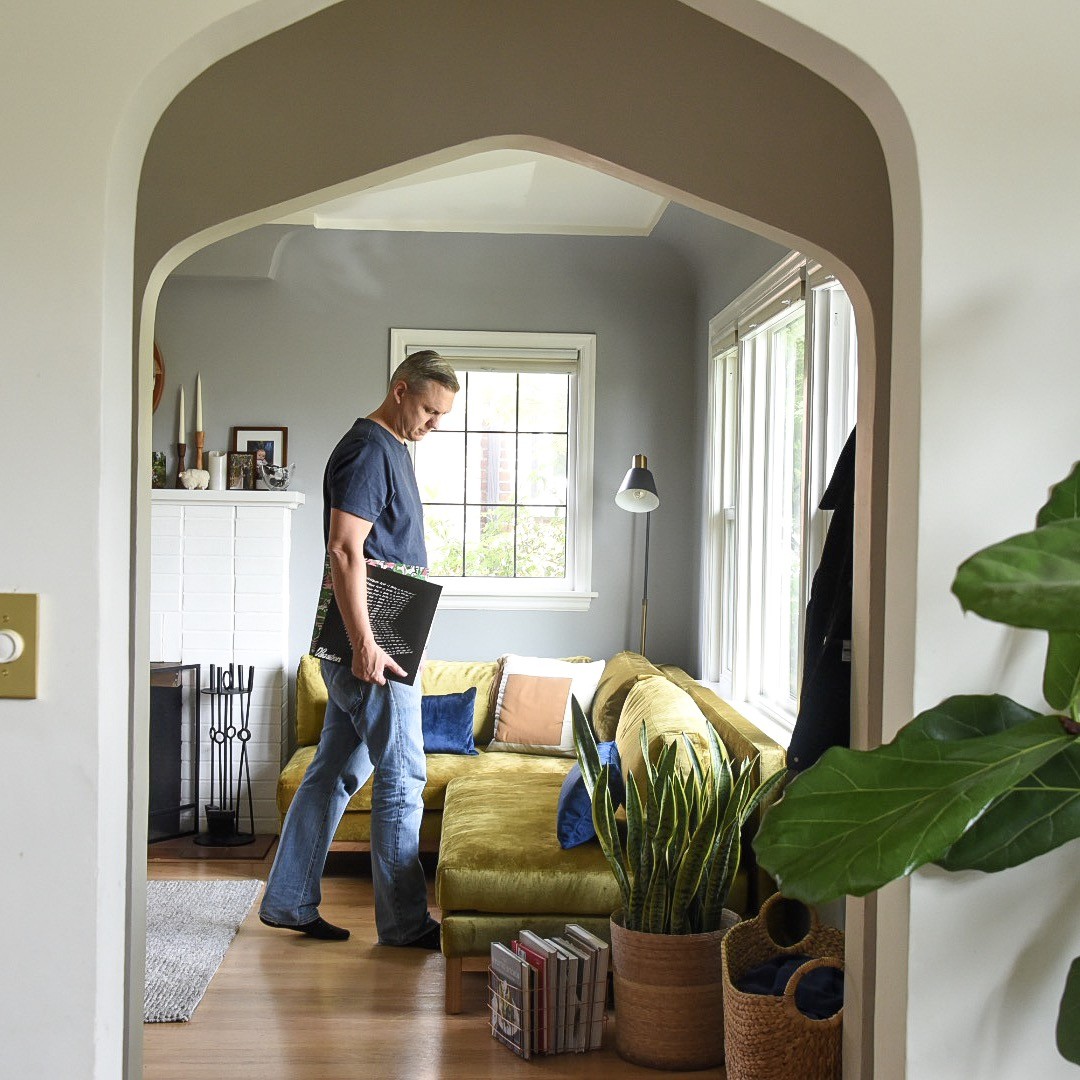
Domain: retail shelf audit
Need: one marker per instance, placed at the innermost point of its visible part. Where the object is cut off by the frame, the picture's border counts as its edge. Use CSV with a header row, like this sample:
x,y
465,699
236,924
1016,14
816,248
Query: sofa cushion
x,y
574,821
447,721
666,712
532,708
437,677
311,698
453,677
620,674
742,738
441,769
499,852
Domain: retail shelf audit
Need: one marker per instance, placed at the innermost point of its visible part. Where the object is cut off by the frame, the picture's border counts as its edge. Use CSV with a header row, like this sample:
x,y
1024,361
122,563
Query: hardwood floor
x,y
284,1007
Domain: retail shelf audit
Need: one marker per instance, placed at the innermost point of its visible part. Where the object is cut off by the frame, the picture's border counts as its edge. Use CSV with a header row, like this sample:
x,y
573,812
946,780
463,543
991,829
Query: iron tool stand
x,y
230,771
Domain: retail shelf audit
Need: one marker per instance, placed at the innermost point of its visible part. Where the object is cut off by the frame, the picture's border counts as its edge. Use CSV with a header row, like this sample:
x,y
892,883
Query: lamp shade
x,y
638,491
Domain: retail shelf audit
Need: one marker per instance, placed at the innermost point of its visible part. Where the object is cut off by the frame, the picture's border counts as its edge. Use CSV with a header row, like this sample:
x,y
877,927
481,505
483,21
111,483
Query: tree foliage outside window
x,y
494,478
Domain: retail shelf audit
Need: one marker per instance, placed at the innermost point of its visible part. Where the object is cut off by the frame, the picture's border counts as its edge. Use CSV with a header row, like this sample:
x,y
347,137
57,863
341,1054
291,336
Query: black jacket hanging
x,y
824,718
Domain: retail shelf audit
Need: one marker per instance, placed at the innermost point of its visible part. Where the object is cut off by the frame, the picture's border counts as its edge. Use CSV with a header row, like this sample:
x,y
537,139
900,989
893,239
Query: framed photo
x,y
269,444
240,471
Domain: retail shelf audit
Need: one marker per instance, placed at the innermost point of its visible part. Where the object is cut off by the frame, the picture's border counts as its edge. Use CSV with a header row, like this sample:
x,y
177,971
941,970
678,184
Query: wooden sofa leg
x,y
452,999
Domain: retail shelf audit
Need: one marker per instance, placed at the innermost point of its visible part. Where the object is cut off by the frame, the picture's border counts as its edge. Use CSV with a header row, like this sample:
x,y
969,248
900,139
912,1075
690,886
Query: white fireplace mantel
x,y
290,500
219,594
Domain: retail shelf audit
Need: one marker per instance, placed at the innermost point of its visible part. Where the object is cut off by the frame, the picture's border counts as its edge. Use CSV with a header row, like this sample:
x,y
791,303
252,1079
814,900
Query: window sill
x,y
764,721
472,601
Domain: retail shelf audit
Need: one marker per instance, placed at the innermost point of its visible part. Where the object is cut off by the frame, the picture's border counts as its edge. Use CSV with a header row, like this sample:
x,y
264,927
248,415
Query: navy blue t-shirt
x,y
370,475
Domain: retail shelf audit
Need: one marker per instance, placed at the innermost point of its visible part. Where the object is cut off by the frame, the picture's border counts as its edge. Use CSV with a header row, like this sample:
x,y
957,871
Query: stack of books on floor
x,y
548,995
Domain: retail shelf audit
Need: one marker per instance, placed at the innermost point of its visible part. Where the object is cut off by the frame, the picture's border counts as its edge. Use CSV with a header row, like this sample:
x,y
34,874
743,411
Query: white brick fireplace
x,y
219,594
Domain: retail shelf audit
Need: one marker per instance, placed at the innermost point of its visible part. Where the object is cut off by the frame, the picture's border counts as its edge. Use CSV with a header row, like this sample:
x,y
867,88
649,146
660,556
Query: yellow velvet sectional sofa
x,y
492,817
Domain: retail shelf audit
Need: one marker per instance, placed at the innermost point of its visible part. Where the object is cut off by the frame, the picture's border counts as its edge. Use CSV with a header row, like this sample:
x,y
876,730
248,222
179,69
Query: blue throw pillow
x,y
447,721
574,824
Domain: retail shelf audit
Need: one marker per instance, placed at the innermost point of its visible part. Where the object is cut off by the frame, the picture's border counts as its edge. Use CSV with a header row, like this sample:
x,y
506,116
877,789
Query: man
x,y
371,508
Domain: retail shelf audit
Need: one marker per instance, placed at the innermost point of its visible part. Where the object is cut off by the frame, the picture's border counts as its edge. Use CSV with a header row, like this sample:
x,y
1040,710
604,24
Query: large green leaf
x,y
859,819
1068,1024
1064,501
1040,813
1031,580
967,716
1061,677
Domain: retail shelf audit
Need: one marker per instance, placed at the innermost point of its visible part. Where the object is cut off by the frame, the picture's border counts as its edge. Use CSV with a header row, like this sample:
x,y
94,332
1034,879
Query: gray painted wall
x,y
308,349
724,262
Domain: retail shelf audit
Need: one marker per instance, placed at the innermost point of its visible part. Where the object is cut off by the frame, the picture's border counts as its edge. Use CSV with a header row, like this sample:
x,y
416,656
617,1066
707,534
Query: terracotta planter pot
x,y
669,997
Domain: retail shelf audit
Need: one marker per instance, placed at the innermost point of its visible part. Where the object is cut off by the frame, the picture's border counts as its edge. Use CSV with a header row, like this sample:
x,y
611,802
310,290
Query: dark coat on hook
x,y
824,718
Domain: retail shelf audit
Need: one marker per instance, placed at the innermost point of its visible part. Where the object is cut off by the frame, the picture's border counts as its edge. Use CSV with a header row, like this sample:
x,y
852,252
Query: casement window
x,y
506,481
782,403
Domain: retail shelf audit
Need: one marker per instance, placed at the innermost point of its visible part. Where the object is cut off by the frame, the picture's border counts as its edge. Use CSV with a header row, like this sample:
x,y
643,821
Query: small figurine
x,y
195,479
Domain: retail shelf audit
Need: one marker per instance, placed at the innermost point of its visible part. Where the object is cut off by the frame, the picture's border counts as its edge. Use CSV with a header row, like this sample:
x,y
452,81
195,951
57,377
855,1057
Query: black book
x,y
401,607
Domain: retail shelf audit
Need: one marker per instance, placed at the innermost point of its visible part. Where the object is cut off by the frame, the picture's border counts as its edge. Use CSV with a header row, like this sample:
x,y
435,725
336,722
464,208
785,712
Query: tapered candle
x,y
182,425
198,403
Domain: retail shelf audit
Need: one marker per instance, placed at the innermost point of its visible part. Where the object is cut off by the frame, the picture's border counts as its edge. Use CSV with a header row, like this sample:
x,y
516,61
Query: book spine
x,y
510,999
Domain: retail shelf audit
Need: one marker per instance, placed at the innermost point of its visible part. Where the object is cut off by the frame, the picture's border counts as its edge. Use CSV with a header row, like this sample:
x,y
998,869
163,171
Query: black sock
x,y
317,928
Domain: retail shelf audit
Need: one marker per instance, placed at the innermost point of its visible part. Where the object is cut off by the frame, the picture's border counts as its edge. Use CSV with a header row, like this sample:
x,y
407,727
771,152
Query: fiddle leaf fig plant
x,y
978,782
683,828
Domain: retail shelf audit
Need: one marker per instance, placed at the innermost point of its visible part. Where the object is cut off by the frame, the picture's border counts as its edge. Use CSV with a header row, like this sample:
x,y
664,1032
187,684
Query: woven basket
x,y
765,1036
669,1001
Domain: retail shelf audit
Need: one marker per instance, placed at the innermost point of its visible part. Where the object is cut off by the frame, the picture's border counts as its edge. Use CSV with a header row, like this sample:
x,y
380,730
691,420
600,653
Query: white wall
x,y
991,99
73,134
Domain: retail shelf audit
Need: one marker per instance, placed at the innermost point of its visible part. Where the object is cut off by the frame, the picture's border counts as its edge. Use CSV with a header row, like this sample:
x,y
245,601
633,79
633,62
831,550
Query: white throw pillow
x,y
532,706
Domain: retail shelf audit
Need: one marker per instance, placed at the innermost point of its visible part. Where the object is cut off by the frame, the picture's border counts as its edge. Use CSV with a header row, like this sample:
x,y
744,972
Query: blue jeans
x,y
368,728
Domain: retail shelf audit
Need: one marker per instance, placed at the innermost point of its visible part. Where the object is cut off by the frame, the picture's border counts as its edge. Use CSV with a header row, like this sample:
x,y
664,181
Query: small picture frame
x,y
240,471
264,443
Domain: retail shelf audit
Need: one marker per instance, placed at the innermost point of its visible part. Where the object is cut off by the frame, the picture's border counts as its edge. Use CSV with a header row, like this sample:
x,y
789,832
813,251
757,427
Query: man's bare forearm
x,y
349,573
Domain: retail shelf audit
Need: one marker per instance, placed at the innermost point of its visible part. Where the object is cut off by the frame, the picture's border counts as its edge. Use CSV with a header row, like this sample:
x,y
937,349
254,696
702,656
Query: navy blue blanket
x,y
819,995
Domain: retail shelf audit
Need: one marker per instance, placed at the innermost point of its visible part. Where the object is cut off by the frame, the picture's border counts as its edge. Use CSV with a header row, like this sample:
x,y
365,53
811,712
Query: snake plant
x,y
681,851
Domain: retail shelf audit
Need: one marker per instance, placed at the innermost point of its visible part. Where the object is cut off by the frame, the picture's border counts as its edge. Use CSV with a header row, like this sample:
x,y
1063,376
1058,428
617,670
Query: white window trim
x,y
722,338
574,592
760,304
831,401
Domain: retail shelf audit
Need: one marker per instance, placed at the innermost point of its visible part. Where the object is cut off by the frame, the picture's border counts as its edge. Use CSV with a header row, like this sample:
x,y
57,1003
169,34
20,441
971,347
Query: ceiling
x,y
499,191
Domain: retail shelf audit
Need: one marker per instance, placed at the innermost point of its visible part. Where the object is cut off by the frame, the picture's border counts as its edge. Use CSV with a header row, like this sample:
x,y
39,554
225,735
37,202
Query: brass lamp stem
x,y
645,587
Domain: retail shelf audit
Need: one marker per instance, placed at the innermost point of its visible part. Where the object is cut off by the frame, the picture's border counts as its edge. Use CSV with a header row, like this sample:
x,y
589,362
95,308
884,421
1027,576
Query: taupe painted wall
x,y
365,85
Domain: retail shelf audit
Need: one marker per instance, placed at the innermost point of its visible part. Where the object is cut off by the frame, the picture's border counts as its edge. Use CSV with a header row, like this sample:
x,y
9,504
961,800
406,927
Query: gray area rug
x,y
189,925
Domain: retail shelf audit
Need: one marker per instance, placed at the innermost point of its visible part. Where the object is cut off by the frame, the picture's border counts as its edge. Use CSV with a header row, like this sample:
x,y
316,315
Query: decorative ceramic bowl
x,y
276,477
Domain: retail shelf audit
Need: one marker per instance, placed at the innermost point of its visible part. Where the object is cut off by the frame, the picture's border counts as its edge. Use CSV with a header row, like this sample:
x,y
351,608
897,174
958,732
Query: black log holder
x,y
230,770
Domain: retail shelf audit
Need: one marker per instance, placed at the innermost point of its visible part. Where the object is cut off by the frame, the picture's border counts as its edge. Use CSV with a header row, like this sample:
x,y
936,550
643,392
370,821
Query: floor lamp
x,y
638,495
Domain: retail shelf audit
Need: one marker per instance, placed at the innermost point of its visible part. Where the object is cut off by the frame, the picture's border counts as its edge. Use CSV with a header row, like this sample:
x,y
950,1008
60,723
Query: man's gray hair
x,y
426,366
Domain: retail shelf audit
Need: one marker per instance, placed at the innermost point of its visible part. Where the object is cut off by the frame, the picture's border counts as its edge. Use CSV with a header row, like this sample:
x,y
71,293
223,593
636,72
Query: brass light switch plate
x,y
18,645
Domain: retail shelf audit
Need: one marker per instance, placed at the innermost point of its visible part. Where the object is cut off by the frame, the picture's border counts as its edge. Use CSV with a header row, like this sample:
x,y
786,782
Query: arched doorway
x,y
649,90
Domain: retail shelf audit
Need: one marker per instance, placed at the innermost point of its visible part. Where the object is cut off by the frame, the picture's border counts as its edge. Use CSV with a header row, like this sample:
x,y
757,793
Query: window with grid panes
x,y
505,479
